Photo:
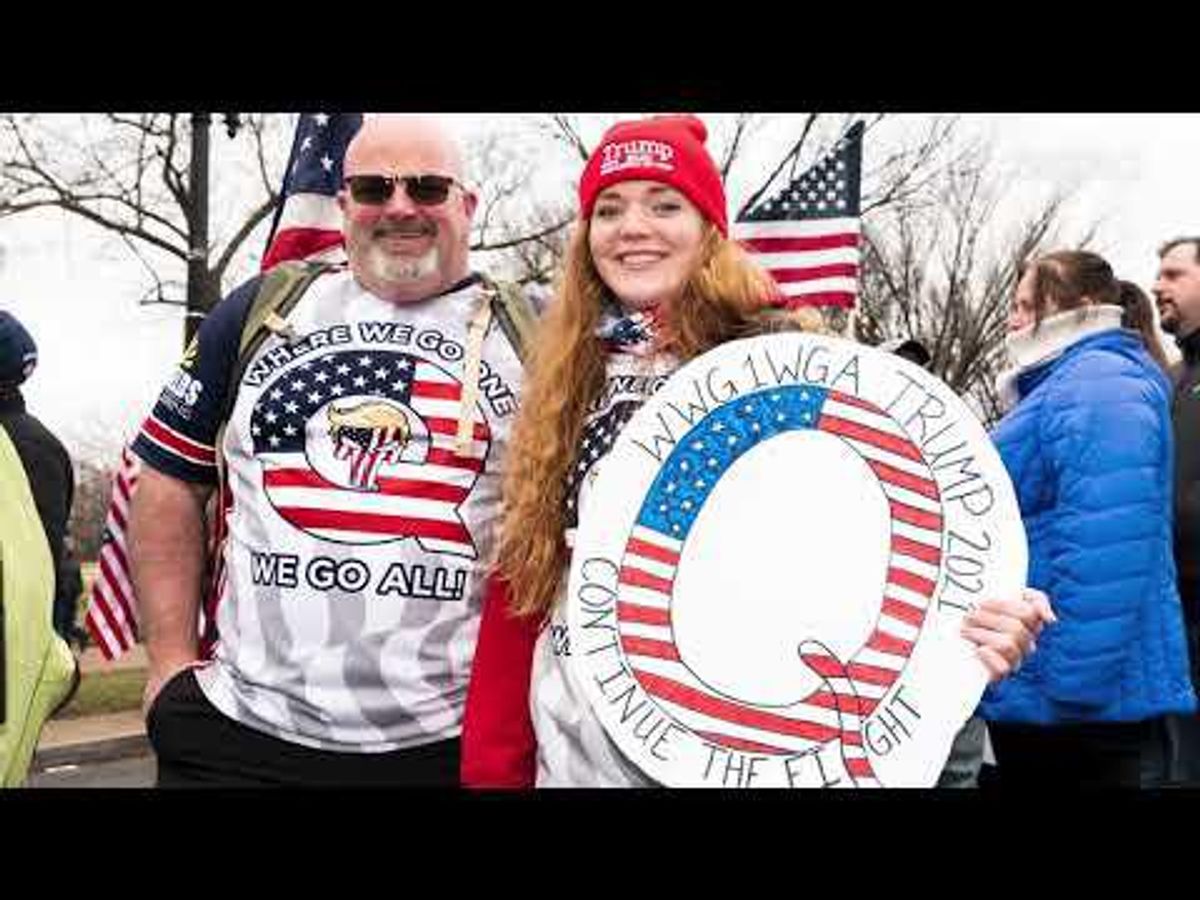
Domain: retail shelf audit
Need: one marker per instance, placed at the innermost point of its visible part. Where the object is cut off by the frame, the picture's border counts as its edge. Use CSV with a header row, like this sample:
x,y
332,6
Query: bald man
x,y
363,489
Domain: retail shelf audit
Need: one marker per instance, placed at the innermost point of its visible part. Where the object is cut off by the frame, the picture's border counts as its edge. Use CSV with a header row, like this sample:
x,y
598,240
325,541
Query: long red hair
x,y
723,299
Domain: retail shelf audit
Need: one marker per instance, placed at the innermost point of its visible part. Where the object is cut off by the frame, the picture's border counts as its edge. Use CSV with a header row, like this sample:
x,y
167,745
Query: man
x,y
43,456
362,489
66,598
38,673
1177,294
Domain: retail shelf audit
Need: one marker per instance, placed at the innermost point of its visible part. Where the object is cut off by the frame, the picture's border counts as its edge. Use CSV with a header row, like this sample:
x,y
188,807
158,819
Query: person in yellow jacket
x,y
38,671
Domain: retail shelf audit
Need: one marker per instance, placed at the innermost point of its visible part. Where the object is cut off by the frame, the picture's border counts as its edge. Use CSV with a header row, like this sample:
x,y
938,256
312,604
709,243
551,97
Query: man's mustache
x,y
412,227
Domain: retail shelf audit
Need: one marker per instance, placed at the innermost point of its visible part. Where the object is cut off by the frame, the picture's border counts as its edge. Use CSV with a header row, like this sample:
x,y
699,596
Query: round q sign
x,y
773,566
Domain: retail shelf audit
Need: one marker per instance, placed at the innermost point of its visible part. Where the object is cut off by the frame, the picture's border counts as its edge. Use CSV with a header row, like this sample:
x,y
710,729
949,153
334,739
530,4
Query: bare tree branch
x,y
524,238
935,267
235,243
129,175
568,132
731,151
791,154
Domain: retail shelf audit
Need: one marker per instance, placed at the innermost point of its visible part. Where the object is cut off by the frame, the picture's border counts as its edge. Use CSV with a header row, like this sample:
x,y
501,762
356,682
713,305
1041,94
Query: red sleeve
x,y
498,745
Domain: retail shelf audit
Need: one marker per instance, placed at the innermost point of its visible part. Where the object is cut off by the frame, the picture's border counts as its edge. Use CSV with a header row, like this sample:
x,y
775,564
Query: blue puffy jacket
x,y
1089,450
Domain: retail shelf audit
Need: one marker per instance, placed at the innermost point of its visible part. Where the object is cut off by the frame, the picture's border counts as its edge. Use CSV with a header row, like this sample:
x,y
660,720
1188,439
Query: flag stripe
x,y
818,286
450,426
799,244
116,625
173,438
441,456
894,646
859,767
910,482
828,667
811,273
437,390
298,243
905,611
651,551
861,706
854,430
851,400
924,552
117,586
782,228
425,490
640,646
909,580
175,443
633,612
716,708
641,578
913,516
374,523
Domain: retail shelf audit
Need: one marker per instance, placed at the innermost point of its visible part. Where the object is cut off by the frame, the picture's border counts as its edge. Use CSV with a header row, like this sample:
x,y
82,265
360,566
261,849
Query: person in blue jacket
x,y
1088,446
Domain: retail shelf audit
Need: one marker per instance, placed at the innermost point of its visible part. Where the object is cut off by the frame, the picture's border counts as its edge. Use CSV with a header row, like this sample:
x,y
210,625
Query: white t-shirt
x,y
349,582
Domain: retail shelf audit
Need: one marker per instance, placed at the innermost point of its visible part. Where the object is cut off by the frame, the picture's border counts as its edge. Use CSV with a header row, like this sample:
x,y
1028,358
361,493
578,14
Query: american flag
x,y
849,691
807,235
358,447
308,223
111,617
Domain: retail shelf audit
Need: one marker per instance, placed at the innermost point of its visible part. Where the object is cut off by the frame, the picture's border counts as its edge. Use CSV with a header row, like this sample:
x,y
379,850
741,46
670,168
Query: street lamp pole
x,y
202,293
198,301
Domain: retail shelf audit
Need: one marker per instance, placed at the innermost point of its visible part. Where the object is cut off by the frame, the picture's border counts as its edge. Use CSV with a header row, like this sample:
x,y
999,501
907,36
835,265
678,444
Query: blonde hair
x,y
726,297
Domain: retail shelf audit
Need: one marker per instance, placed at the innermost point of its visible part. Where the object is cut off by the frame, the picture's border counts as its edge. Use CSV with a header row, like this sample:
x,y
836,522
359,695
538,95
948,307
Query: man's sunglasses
x,y
423,190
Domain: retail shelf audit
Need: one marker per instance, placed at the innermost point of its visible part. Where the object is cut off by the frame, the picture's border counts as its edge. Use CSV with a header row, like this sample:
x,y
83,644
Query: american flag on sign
x,y
807,235
358,447
847,692
308,223
111,617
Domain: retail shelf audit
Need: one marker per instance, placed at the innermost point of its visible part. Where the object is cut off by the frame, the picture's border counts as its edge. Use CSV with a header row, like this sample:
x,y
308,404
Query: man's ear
x,y
470,202
341,200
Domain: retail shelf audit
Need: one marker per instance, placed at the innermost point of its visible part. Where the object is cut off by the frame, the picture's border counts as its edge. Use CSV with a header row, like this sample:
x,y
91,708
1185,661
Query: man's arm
x,y
167,562
177,446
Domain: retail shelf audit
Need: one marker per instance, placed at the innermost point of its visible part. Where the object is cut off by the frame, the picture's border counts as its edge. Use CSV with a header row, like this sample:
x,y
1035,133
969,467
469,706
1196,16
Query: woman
x,y
1137,313
1088,447
651,280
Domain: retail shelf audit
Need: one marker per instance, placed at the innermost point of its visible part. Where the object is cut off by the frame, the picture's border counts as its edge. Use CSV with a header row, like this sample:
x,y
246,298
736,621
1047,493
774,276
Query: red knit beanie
x,y
669,149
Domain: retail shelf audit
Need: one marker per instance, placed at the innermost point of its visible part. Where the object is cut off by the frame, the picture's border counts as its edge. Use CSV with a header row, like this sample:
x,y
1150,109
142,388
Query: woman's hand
x,y
1005,631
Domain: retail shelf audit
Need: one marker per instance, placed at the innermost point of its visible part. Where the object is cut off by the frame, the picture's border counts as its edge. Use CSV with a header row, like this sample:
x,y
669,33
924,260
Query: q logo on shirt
x,y
357,446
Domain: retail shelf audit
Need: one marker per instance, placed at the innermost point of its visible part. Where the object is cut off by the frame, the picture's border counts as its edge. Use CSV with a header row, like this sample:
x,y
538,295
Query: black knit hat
x,y
18,352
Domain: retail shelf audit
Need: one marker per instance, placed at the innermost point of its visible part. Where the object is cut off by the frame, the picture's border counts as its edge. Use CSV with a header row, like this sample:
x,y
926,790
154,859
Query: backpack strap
x,y
516,314
504,301
280,291
472,364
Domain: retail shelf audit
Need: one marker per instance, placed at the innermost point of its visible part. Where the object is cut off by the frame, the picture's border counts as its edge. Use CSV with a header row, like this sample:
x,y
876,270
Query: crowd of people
x,y
307,646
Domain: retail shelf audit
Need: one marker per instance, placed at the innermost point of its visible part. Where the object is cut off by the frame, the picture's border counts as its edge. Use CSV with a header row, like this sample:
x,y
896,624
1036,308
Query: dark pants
x,y
1184,731
1087,754
199,746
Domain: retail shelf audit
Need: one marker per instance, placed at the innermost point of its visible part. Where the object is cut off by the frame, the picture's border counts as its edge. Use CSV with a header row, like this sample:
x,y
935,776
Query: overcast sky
x,y
104,357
